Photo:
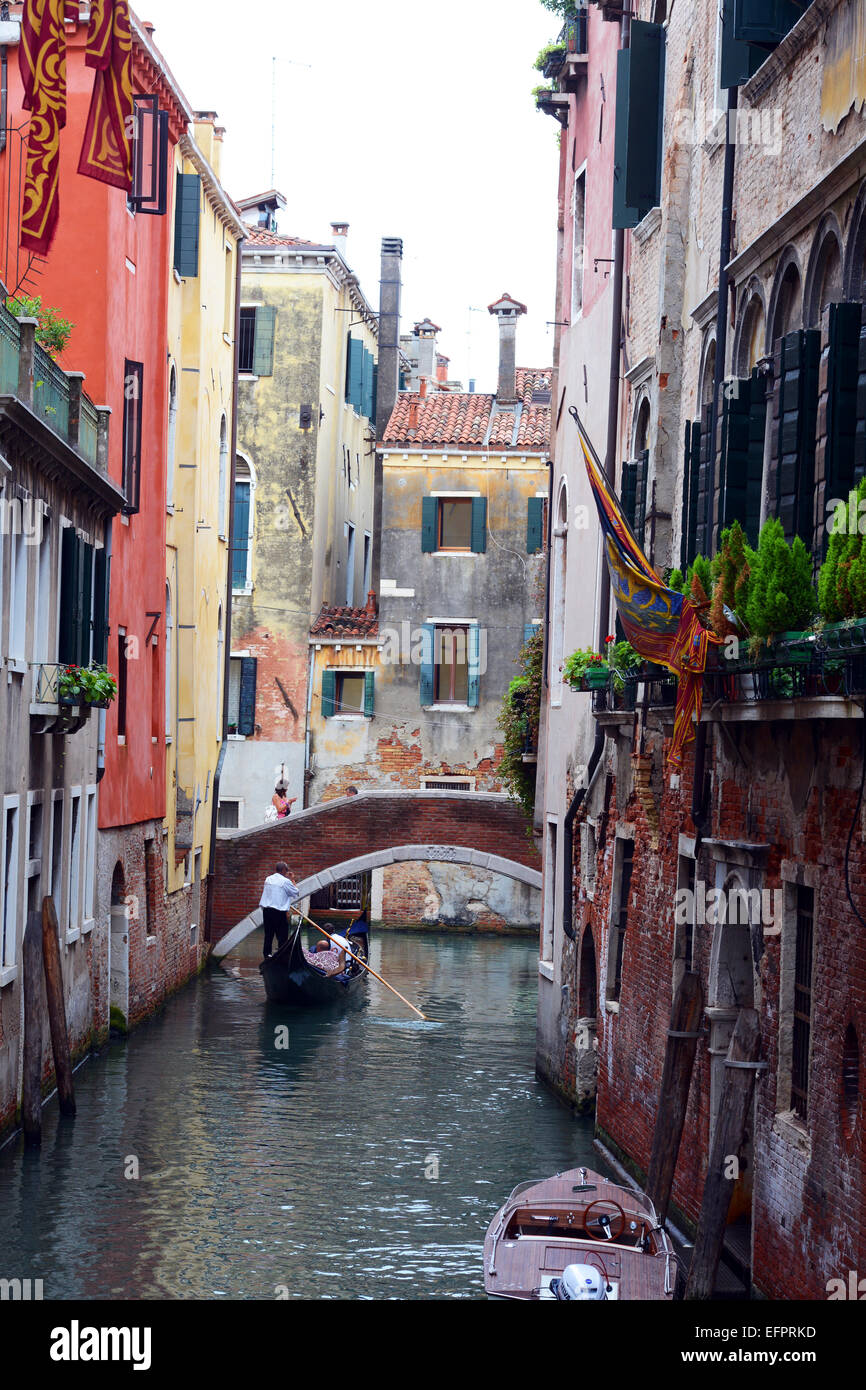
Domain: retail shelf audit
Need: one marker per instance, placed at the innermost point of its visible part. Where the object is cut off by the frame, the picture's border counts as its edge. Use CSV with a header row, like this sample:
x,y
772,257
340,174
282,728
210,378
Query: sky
x,y
403,120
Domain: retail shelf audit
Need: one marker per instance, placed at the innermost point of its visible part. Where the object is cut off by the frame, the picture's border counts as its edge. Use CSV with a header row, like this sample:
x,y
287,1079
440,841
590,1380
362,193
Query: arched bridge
x,y
355,833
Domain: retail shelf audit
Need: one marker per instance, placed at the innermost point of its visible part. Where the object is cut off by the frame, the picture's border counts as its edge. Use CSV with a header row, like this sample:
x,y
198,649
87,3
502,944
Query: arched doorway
x,y
122,910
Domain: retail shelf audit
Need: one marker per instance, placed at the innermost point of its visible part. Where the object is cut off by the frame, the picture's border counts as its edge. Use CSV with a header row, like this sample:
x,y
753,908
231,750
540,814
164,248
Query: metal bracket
x,y
747,1066
156,617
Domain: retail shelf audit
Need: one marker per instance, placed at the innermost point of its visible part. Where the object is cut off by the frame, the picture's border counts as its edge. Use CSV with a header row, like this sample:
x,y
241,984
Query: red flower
x,y
609,639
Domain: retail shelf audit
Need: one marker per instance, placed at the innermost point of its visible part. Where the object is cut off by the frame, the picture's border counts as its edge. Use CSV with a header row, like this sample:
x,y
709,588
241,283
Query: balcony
x,y
30,375
52,710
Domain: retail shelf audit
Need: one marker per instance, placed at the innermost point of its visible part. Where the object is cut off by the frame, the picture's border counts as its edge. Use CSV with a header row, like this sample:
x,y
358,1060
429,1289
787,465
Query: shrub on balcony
x,y
701,570
781,596
53,332
86,685
577,667
518,720
842,578
732,572
551,55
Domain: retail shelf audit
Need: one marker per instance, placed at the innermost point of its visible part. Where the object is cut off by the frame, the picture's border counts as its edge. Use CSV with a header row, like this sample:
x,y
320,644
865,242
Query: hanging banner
x,y
42,63
106,153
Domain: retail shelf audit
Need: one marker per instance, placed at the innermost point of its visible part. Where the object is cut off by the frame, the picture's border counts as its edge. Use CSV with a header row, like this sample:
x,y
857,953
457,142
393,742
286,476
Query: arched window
x,y
824,280
223,475
242,524
785,309
172,437
708,374
750,336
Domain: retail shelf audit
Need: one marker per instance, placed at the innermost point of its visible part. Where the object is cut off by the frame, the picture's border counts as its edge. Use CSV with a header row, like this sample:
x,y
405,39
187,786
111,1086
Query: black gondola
x,y
291,979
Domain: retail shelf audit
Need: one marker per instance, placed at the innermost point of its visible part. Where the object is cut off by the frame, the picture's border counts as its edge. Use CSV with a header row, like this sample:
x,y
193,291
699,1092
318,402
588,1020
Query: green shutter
x,y
100,606
427,660
741,466
642,462
645,115
843,350
691,491
534,523
792,464
85,626
187,210
738,60
247,696
623,216
429,524
375,396
367,386
355,373
702,544
766,21
529,631
479,525
329,694
369,679
68,643
628,491
263,345
474,653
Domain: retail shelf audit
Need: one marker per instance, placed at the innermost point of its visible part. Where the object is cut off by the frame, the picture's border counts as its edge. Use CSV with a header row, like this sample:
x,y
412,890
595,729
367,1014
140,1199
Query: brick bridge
x,y
355,833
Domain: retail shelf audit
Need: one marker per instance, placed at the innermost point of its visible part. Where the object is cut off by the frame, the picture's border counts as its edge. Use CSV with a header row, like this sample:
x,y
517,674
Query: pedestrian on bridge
x,y
278,895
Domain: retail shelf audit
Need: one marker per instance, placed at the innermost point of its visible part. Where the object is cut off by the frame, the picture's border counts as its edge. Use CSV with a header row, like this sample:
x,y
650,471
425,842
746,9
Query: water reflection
x,y
307,1166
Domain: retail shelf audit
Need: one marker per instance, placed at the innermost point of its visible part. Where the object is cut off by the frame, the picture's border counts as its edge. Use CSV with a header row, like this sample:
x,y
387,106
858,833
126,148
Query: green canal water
x,y
364,1160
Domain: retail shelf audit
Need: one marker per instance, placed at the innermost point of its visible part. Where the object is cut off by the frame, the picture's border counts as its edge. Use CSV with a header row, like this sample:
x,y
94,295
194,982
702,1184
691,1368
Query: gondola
x,y
290,978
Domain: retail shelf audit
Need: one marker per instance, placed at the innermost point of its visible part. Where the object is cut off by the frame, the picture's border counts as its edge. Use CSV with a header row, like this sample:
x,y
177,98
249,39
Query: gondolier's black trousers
x,y
275,925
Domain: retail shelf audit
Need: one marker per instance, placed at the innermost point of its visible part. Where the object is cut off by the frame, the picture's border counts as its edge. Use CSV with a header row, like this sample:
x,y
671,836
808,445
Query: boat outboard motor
x,y
579,1283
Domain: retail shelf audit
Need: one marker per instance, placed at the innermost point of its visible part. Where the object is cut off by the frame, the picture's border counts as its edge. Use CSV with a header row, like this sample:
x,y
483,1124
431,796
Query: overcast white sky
x,y
411,121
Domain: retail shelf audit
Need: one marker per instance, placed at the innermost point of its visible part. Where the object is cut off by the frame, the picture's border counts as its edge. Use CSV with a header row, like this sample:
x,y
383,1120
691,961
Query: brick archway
x,y
347,836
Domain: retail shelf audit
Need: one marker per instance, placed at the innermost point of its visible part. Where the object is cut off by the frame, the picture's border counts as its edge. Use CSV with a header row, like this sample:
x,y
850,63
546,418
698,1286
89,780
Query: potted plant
x,y
551,60
781,601
842,577
86,685
70,690
586,669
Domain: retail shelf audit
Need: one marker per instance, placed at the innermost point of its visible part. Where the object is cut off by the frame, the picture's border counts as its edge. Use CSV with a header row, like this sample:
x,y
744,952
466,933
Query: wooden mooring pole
x,y
57,1008
34,1010
734,1117
680,1052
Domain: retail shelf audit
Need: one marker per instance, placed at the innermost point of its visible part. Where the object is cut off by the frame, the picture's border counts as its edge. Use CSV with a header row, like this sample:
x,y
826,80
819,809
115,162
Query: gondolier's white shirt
x,y
279,892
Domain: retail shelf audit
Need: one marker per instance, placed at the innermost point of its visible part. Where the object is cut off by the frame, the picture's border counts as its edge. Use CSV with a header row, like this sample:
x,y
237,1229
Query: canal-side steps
x,y
353,834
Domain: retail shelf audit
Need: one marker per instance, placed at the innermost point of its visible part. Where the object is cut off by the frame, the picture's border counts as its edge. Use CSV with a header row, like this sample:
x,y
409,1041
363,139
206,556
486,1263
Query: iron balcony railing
x,y
573,33
51,390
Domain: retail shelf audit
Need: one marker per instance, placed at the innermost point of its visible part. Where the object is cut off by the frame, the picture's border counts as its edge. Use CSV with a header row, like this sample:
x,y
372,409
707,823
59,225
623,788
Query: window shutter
x,y
68,643
100,606
366,383
792,464
701,540
642,462
765,21
741,466
738,60
369,678
529,631
247,698
354,373
429,524
628,492
85,626
755,456
479,525
263,346
427,661
149,157
691,486
534,522
474,653
375,396
186,224
843,350
860,429
240,535
639,122
329,694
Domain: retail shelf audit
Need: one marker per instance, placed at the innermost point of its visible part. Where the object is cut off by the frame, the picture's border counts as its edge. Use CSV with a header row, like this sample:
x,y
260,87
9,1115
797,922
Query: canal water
x,y
363,1160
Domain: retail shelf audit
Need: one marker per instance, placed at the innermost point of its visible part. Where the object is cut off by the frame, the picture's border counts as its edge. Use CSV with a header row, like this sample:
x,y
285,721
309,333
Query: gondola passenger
x,y
331,960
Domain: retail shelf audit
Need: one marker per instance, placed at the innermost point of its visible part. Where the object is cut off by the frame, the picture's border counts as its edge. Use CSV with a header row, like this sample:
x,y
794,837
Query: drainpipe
x,y
227,641
722,306
616,334
546,648
308,736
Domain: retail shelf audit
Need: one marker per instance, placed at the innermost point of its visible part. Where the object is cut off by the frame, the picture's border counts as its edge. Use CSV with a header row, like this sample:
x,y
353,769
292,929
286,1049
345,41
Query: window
x,y
361,373
350,564
228,292
150,885
624,863
229,813
149,192
536,525
9,883
454,524
90,856
256,342
133,383
578,218
223,475
187,213
242,695
346,895
588,848
121,682
43,637
368,564
802,1001
172,437
20,554
242,527
55,887
73,918
347,692
551,866
451,666
448,784
684,919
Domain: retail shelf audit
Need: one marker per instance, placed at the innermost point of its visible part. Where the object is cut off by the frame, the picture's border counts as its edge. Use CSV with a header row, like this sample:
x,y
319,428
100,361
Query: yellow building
x,y
201,351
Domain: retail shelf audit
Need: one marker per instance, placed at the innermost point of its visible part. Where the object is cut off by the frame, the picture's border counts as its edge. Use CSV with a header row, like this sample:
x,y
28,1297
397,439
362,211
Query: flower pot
x,y
596,677
99,704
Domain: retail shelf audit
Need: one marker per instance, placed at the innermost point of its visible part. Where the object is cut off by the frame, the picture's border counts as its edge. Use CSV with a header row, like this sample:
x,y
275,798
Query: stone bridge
x,y
355,833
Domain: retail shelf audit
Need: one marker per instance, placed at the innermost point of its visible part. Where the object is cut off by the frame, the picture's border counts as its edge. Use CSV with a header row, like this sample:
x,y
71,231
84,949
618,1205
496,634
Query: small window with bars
x,y
448,784
133,395
619,919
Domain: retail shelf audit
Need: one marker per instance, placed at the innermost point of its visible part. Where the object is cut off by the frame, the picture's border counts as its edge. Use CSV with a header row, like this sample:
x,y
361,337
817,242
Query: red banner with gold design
x,y
106,153
42,62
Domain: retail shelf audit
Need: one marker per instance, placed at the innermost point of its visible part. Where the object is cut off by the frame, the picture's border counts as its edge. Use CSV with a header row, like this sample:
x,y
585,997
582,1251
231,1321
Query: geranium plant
x,y
86,685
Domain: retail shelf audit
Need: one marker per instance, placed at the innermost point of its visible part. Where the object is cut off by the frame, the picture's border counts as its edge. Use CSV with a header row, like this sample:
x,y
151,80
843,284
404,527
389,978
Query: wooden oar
x,y
305,918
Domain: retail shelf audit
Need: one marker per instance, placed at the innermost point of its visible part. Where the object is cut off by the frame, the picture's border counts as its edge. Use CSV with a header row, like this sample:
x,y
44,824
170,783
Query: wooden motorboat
x,y
578,1237
290,978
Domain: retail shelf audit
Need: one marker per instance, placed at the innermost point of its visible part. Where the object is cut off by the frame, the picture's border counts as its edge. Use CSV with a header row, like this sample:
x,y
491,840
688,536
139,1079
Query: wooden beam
x,y
734,1119
57,1007
680,1052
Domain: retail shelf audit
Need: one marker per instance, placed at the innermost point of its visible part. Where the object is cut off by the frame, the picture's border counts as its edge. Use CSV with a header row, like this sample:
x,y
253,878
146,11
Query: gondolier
x,y
278,895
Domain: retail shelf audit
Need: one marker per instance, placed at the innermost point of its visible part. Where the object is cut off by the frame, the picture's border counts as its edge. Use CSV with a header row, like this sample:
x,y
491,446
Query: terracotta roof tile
x,y
345,622
260,236
473,421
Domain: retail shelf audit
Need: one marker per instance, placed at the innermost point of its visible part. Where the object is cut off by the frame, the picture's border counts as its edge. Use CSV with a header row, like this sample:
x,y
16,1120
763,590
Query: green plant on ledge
x,y
781,597
842,577
518,720
576,667
53,332
86,685
550,50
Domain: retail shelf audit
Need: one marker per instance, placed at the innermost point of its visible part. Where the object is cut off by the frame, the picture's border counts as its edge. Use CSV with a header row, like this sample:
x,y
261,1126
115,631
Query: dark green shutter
x,y
642,462
329,694
369,679
843,351
263,346
375,396
355,373
534,524
639,124
429,524
766,21
623,215
702,544
474,681
247,697
479,525
691,485
741,465
427,662
860,428
795,409
628,490
738,60
84,630
68,639
186,224
100,607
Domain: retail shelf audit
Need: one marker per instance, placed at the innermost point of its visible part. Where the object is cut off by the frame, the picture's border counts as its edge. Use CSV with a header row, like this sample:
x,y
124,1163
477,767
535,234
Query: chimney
x,y
507,311
340,236
388,376
425,337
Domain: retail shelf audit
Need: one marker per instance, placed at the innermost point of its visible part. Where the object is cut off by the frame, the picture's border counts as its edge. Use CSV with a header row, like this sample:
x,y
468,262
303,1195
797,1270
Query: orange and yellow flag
x,y
106,153
42,62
